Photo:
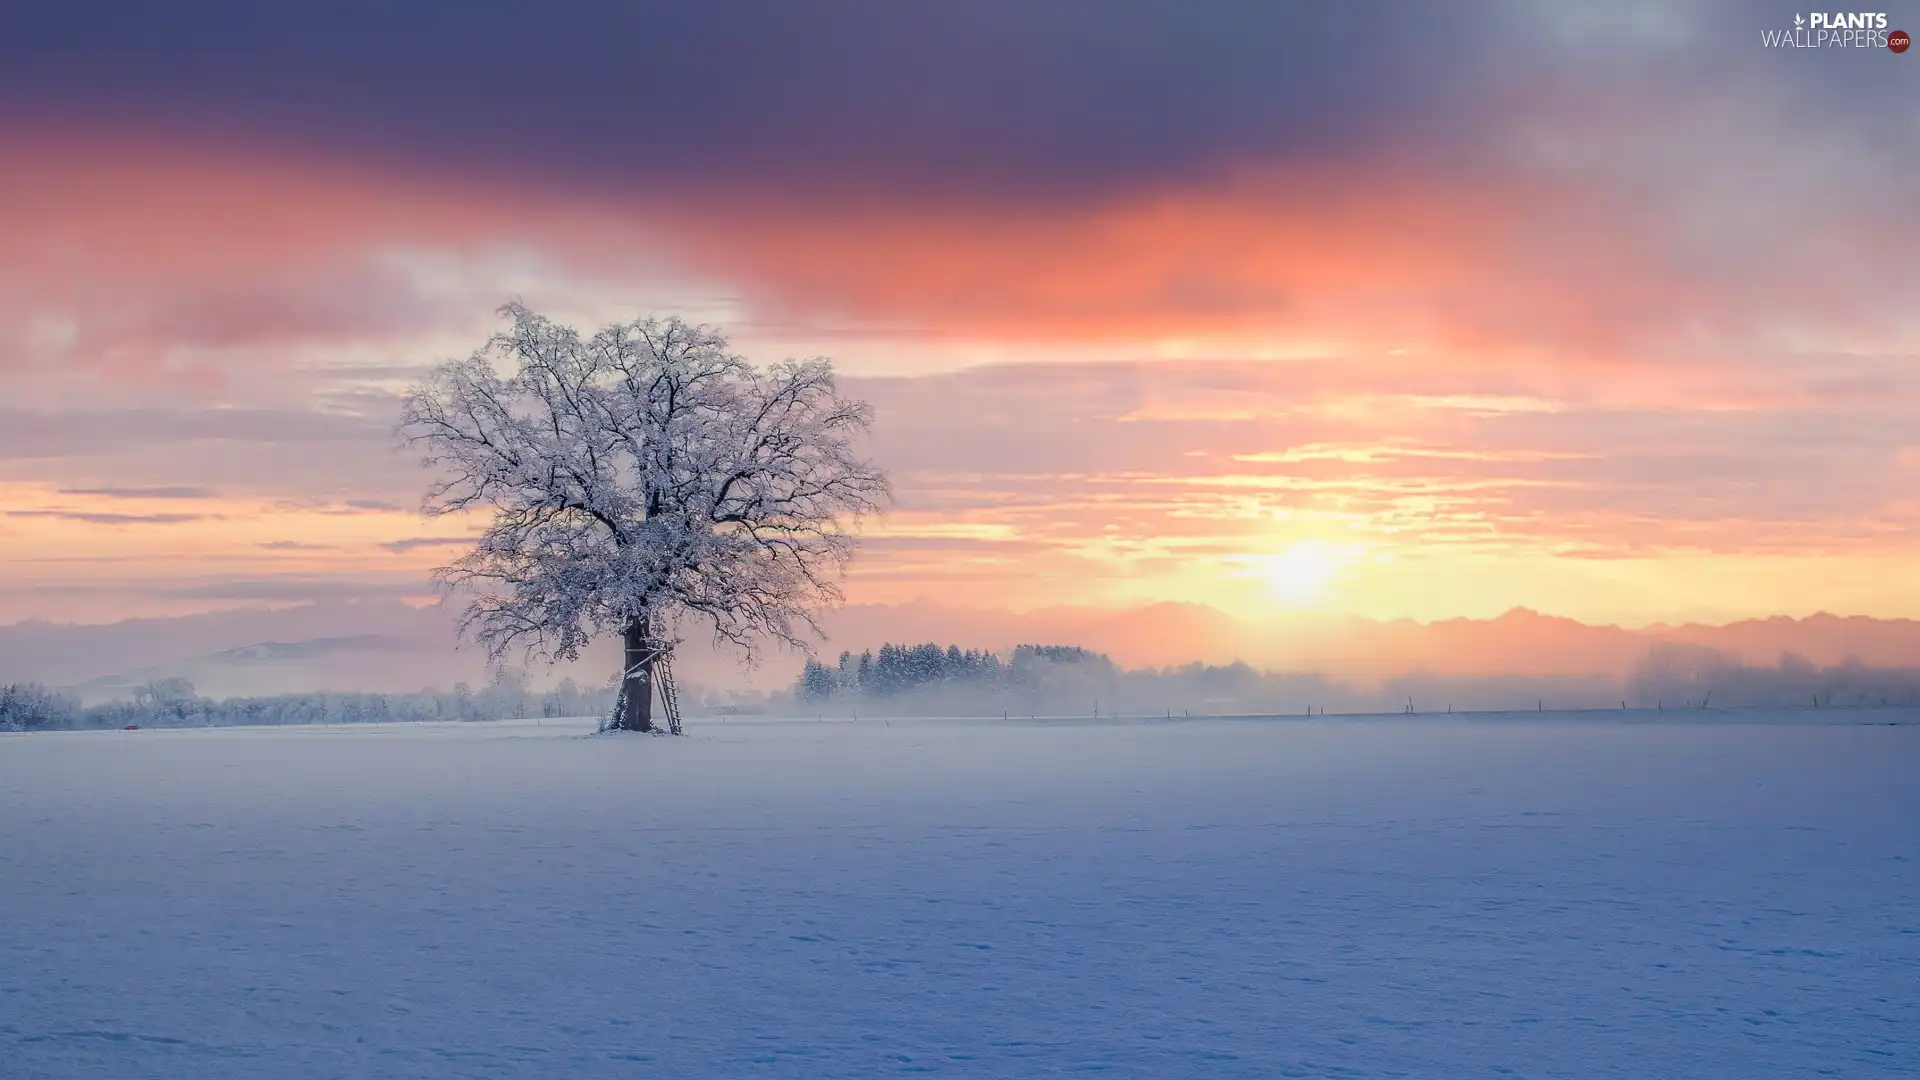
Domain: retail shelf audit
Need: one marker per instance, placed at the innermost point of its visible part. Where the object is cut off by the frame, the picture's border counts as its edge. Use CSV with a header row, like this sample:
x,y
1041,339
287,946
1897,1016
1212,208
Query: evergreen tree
x,y
816,682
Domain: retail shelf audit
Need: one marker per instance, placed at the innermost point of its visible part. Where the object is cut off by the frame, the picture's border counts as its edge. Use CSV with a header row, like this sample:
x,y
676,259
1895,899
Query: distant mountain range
x,y
386,646
1521,641
389,646
356,661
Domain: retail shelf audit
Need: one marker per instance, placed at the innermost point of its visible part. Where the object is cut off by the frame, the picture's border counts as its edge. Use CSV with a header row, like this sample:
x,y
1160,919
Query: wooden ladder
x,y
669,693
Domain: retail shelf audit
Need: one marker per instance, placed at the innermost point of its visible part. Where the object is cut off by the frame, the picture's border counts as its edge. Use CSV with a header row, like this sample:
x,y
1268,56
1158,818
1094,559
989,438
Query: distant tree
x,y
170,701
569,699
164,692
889,672
816,681
1057,654
900,669
33,707
926,664
637,477
506,694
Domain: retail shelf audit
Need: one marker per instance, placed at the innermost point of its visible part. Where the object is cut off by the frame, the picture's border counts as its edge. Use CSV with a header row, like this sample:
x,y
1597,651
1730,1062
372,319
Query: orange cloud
x,y
1364,261
1306,260
146,255
1369,360
143,249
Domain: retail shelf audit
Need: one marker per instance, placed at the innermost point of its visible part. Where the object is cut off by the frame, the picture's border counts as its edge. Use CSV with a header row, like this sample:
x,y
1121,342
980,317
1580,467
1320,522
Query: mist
x,y
1066,681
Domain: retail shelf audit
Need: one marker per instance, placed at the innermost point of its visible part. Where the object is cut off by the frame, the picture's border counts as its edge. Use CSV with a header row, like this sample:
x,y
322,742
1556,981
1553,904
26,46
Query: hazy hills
x,y
389,646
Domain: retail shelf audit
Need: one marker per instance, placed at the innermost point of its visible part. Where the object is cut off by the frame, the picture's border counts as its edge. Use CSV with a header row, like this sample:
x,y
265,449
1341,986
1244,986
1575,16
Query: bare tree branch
x,y
644,474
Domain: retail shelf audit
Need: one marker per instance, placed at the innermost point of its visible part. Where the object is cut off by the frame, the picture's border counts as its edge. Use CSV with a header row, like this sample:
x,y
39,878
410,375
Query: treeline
x,y
1068,680
1692,674
904,669
1065,681
1031,680
173,703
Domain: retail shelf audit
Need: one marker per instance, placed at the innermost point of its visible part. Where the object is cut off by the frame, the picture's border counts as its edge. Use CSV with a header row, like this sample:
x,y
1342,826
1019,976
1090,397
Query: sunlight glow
x,y
1302,573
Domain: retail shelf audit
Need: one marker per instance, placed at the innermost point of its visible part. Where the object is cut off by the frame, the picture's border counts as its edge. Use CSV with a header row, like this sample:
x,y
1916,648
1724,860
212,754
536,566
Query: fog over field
x,y
1158,660
1215,541
395,648
1732,896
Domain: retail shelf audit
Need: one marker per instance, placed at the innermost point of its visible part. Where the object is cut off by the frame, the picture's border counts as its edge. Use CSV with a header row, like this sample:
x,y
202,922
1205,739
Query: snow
x,y
1730,896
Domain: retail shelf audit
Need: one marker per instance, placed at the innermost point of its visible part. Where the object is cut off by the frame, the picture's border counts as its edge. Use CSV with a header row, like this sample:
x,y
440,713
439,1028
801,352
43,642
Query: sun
x,y
1301,573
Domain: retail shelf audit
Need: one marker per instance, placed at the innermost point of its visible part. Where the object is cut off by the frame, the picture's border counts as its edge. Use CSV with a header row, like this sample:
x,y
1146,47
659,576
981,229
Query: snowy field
x,y
1538,896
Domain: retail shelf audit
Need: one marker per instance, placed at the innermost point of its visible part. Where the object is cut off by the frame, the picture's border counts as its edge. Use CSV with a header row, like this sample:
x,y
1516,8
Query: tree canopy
x,y
638,477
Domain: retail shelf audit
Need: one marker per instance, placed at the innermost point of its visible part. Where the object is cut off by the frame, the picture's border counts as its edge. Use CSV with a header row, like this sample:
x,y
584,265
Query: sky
x,y
1389,310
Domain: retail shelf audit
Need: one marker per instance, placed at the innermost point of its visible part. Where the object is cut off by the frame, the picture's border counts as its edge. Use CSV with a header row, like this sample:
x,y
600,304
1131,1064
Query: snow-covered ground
x,y
1541,896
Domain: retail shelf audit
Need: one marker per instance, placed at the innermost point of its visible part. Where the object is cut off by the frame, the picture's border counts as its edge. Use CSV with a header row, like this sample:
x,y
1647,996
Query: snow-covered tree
x,y
638,478
31,707
816,681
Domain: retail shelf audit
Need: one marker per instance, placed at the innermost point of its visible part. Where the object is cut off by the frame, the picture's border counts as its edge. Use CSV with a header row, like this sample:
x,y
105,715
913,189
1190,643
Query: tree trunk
x,y
637,687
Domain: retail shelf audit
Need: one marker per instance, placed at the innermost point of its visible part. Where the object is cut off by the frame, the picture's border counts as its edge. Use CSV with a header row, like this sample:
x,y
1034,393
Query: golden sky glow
x,y
1665,370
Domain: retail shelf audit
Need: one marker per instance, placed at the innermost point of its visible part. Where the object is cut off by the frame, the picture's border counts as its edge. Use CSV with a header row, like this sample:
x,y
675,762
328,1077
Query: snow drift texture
x,y
1300,898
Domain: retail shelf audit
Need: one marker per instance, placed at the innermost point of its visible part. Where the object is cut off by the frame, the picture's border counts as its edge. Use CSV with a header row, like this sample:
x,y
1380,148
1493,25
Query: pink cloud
x,y
1517,367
